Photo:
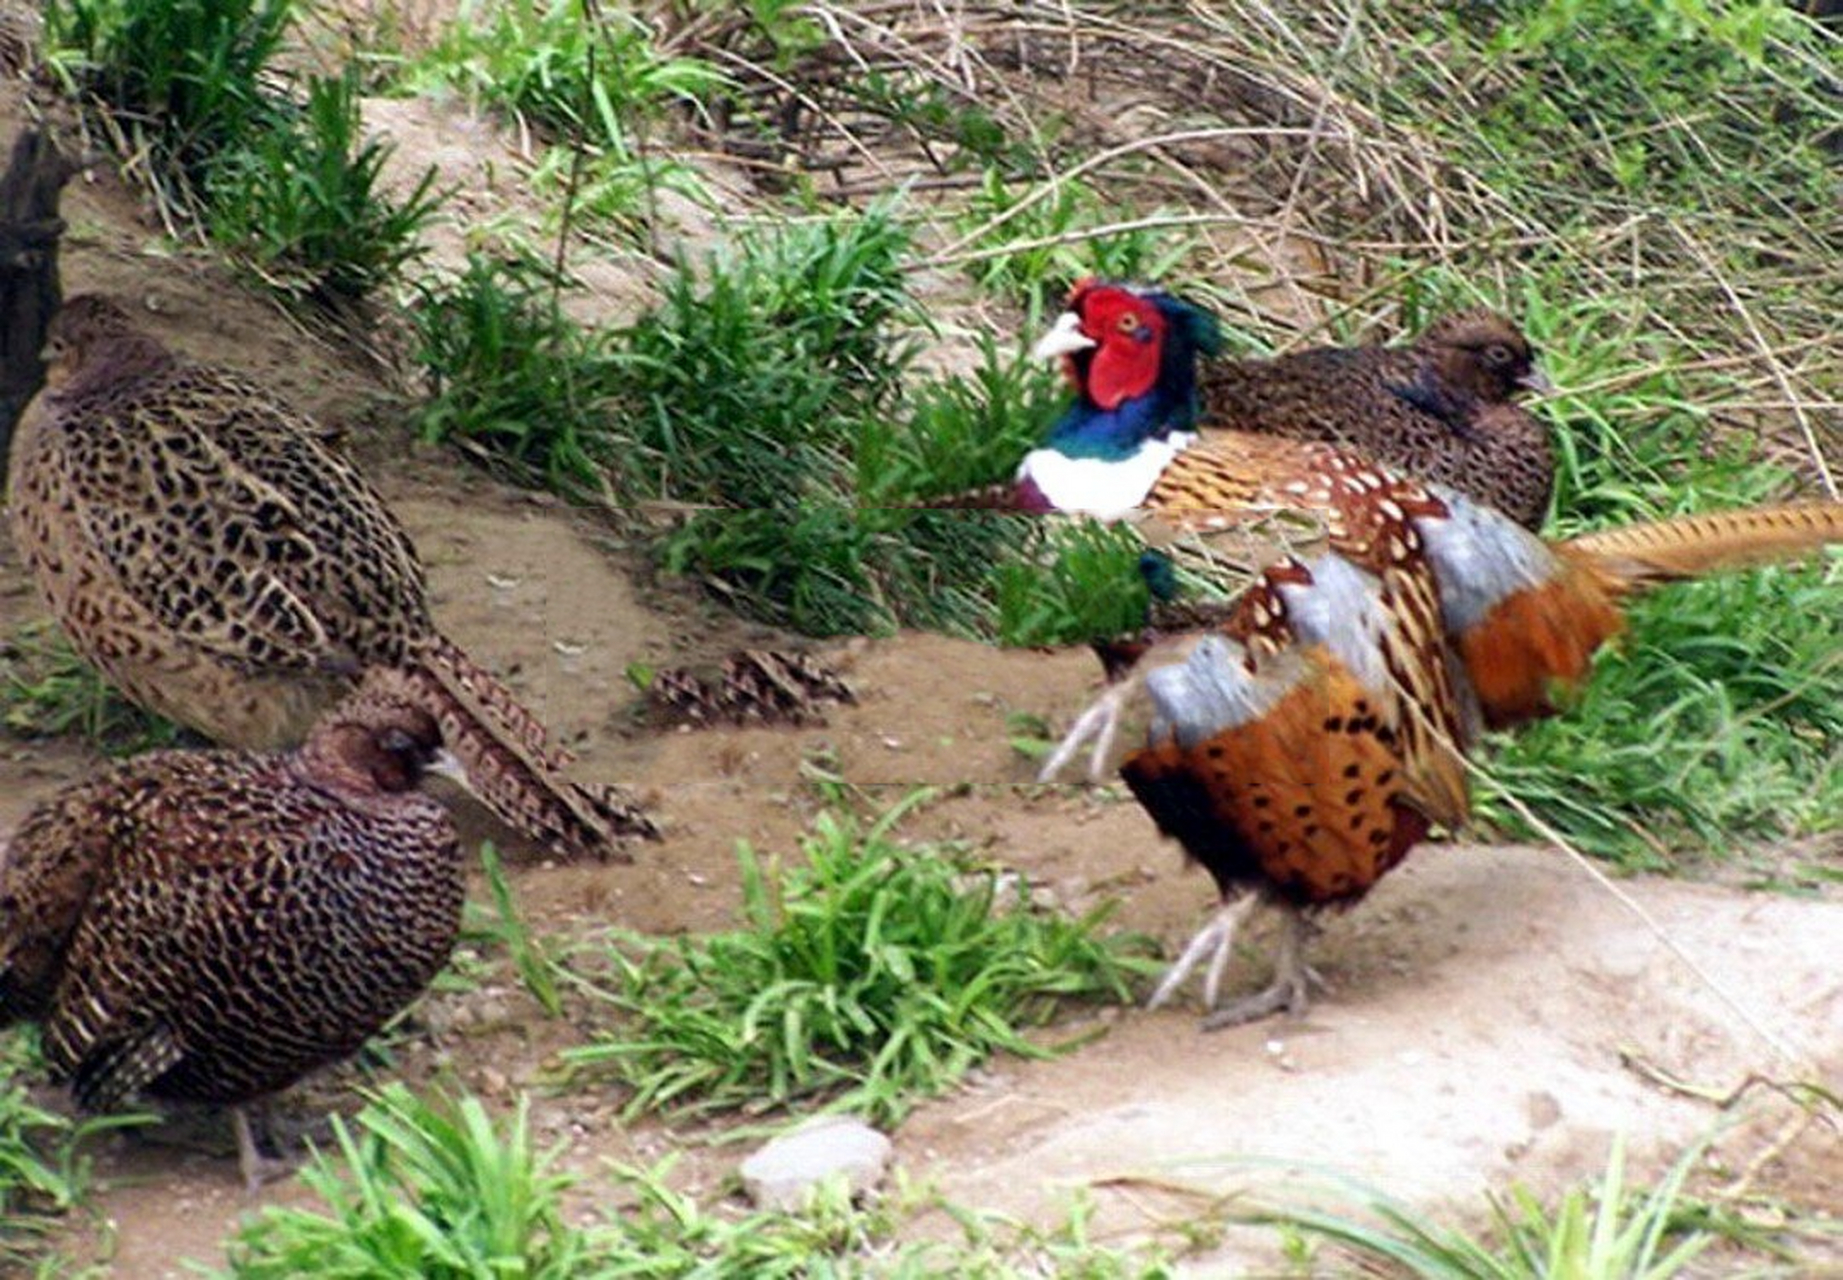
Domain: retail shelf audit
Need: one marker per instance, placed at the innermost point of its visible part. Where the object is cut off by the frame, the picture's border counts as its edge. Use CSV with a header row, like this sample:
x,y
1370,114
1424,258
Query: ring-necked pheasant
x,y
209,926
204,548
1522,613
1311,737
1441,408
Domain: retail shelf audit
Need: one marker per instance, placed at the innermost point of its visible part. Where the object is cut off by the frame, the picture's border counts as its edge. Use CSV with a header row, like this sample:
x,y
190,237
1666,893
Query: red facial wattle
x,y
1125,360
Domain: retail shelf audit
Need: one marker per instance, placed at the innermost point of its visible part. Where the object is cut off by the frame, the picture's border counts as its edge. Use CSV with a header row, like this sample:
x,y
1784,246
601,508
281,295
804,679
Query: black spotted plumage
x,y
1440,408
210,926
203,546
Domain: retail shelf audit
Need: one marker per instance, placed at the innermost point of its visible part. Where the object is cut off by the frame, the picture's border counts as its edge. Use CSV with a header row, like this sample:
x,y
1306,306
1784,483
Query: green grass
x,y
865,973
193,92
420,1189
1032,243
437,1190
302,202
1607,1230
1087,585
668,1234
46,690
509,378
769,395
36,1189
529,954
744,386
44,1172
185,78
589,85
1661,107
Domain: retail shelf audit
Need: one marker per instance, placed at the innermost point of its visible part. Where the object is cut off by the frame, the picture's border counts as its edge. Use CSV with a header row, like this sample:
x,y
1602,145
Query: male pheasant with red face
x,y
1305,743
210,926
203,547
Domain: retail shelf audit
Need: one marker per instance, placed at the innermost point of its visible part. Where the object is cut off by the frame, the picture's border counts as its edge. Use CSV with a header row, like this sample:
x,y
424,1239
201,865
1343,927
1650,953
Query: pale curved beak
x,y
448,765
1536,380
1065,338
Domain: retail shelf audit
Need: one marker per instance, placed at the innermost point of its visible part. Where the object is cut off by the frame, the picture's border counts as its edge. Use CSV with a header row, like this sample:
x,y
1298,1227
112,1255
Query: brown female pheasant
x,y
210,926
1441,408
205,549
1311,737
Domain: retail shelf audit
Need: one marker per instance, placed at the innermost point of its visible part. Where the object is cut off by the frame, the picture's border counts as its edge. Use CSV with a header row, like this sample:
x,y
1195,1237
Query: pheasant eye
x,y
1128,323
1497,353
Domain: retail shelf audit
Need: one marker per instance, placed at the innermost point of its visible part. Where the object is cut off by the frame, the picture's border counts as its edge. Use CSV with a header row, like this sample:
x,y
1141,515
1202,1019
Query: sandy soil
x,y
1493,1013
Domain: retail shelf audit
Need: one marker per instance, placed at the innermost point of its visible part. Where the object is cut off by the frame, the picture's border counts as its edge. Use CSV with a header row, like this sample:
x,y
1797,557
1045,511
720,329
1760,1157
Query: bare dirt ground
x,y
1493,1013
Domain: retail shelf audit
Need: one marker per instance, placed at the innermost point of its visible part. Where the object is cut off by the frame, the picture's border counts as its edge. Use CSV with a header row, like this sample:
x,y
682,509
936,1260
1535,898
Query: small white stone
x,y
783,1173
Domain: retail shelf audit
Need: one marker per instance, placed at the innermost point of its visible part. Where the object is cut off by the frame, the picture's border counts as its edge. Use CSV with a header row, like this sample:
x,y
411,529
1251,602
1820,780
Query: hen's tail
x,y
511,764
1642,556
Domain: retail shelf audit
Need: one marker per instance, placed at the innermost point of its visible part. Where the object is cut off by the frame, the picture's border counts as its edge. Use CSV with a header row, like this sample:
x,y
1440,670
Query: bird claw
x,y
1099,722
1291,988
1215,939
1287,994
256,1166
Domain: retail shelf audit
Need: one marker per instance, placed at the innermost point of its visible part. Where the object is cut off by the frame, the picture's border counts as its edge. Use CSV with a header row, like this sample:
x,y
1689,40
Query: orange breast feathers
x,y
1287,775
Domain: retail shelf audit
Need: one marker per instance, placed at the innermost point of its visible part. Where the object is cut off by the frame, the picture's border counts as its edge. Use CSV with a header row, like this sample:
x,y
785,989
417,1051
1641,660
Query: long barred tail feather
x,y
991,497
1641,556
511,764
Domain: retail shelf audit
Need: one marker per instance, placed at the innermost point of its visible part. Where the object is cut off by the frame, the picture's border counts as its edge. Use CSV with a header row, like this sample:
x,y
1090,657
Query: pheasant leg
x,y
1291,986
1216,940
257,1168
1100,722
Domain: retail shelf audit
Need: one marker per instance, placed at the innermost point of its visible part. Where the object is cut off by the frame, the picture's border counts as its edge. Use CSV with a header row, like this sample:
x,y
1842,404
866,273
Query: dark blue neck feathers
x,y
1086,430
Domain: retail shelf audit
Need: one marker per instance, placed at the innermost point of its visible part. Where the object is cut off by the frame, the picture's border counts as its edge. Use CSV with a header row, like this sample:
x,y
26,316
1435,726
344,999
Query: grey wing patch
x,y
1212,691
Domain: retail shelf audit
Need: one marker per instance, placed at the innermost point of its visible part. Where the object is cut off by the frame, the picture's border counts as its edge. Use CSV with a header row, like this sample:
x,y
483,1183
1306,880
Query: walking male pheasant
x,y
209,926
204,548
1311,738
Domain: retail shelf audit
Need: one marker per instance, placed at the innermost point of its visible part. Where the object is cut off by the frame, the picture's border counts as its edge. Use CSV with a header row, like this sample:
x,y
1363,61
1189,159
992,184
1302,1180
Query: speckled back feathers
x,y
209,926
1441,408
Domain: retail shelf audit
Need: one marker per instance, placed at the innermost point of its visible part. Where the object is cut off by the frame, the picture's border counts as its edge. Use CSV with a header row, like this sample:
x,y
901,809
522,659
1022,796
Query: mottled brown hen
x,y
201,545
210,926
1442,407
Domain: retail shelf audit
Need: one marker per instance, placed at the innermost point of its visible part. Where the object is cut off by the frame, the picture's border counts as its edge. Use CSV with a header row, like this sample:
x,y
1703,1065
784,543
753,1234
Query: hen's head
x,y
92,336
377,741
1483,354
1119,343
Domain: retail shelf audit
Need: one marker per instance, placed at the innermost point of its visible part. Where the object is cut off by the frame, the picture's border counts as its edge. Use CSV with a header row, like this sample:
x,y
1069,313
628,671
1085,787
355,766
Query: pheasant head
x,y
1483,356
92,342
1131,355
376,743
